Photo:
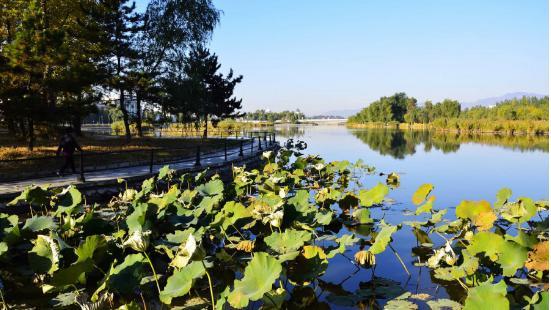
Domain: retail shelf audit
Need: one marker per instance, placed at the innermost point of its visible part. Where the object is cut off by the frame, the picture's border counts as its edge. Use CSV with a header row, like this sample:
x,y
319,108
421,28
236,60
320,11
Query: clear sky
x,y
320,55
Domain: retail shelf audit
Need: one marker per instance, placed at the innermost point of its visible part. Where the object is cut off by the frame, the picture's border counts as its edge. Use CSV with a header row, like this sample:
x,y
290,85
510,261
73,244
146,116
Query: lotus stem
x,y
210,286
400,259
154,272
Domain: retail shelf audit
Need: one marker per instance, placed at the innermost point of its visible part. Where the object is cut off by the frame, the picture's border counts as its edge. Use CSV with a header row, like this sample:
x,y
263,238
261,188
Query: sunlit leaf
x,y
520,211
478,297
289,240
421,193
538,258
39,223
258,277
44,256
444,304
373,196
181,281
502,196
383,238
426,207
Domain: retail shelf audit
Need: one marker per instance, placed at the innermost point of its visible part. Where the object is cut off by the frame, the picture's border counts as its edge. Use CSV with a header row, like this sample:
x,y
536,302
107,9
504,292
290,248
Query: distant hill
x,y
493,100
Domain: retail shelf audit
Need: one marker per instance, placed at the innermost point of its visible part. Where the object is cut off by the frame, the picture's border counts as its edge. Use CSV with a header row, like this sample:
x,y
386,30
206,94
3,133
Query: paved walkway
x,y
217,158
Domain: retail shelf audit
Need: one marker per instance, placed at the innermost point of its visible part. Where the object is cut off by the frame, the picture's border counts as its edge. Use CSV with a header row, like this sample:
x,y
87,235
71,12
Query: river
x,y
461,167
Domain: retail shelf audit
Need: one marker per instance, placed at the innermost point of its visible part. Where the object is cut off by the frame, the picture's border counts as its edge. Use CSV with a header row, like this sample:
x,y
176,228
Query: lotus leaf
x,y
383,238
538,258
520,211
185,251
126,276
502,196
426,207
258,277
479,296
39,223
288,241
421,193
180,282
442,304
373,196
44,256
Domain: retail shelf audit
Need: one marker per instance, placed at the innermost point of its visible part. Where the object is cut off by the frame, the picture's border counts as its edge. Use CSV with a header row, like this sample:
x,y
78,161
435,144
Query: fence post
x,y
82,167
198,157
241,149
259,144
151,161
225,150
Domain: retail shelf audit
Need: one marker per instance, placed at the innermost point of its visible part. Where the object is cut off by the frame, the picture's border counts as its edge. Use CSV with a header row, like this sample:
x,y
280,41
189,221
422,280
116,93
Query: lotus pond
x,y
301,232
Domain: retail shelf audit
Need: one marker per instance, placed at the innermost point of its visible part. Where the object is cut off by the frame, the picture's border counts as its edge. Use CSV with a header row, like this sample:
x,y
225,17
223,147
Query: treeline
x,y
524,114
60,58
284,116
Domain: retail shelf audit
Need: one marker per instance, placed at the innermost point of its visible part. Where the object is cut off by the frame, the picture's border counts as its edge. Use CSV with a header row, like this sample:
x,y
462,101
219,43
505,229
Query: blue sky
x,y
319,55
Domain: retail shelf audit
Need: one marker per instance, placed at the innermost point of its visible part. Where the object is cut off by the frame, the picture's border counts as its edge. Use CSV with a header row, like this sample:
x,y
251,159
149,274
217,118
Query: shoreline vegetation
x,y
464,126
517,116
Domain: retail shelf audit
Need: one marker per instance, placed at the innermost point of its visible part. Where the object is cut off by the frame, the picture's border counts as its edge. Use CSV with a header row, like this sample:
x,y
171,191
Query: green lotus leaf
x,y
9,228
520,211
421,193
179,236
373,196
165,173
324,217
69,198
426,207
524,239
301,201
488,243
168,198
3,248
502,196
38,195
258,277
126,276
478,297
444,304
39,223
230,213
212,188
512,257
363,216
471,209
383,238
137,219
288,241
421,236
181,280
72,274
344,241
327,195
341,165
437,216
91,248
44,256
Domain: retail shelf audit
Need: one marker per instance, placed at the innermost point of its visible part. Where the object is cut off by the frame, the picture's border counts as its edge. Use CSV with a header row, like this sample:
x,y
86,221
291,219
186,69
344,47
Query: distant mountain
x,y
343,113
493,100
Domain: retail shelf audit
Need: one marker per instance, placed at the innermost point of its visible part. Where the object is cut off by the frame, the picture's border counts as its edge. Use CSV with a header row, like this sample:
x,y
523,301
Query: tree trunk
x,y
30,146
22,128
139,114
124,115
205,132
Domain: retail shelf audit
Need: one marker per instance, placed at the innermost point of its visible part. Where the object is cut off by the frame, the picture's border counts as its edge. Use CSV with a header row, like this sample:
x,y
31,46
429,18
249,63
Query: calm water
x,y
460,167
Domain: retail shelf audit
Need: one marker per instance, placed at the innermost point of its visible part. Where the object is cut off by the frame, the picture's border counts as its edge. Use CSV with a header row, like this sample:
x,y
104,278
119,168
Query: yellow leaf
x,y
538,258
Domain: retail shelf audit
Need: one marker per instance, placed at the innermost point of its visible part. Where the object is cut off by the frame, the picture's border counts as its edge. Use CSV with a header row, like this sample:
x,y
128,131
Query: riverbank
x,y
457,125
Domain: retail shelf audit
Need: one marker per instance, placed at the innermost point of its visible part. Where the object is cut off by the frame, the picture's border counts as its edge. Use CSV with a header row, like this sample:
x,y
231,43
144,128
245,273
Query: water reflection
x,y
401,143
